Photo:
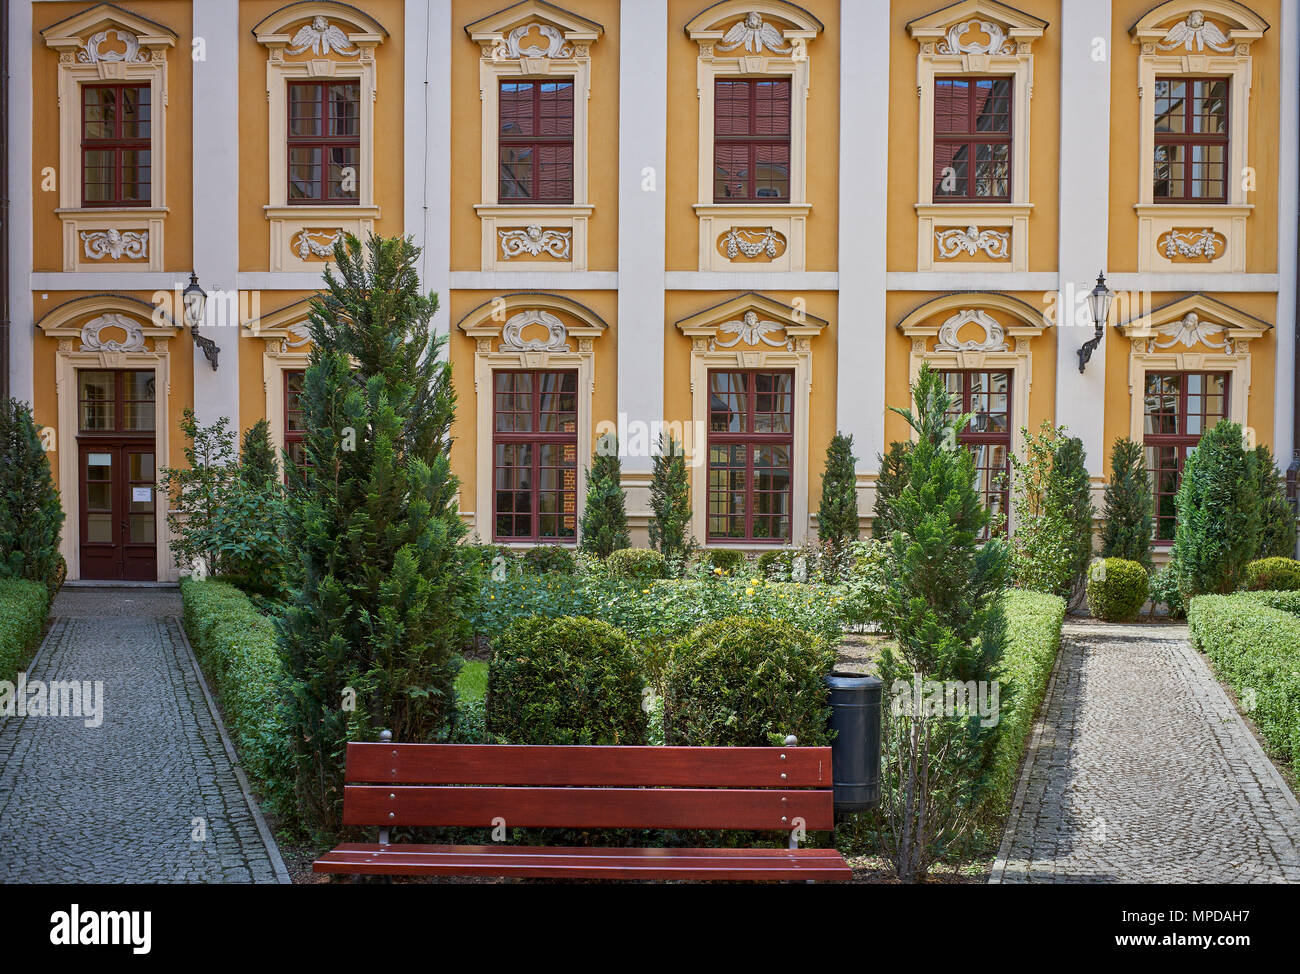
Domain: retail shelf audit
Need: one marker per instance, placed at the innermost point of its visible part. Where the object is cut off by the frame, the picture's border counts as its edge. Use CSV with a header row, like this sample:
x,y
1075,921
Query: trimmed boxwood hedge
x,y
1286,601
1255,649
1273,575
235,645
23,606
1117,589
637,564
1033,637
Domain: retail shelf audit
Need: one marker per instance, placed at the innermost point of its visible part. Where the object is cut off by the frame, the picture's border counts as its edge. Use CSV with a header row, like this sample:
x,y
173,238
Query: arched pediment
x,y
1197,319
741,23
99,32
533,321
1197,26
947,319
533,28
70,319
333,27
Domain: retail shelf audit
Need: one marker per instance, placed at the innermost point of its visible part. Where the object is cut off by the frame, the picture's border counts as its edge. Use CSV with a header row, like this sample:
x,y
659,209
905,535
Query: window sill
x,y
139,240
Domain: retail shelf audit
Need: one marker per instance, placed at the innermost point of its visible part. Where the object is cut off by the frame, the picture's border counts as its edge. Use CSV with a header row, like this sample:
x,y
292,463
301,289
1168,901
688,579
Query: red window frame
x,y
950,138
549,131
994,482
122,398
1189,140
118,144
293,426
1168,475
734,451
518,446
324,144
767,106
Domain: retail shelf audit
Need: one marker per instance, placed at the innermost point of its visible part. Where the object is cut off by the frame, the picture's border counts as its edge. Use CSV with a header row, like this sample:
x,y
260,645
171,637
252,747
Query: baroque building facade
x,y
745,225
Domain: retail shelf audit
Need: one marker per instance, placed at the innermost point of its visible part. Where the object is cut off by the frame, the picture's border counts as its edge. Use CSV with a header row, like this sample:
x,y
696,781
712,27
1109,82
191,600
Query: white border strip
x,y
1288,232
22,322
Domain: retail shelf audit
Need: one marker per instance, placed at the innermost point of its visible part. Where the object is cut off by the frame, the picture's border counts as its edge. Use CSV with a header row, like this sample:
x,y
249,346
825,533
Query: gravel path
x,y
154,794
1140,770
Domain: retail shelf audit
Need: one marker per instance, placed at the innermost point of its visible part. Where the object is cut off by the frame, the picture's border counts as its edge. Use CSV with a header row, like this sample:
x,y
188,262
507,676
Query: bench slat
x,y
504,764
677,808
577,863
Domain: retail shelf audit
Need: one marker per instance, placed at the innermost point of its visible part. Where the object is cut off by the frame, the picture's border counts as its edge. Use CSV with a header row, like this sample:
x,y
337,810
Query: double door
x,y
118,483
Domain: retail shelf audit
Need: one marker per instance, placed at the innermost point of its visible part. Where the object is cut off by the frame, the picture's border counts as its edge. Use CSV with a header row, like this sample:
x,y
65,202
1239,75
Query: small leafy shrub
x,y
23,604
724,560
1255,649
1273,574
769,565
236,646
549,558
1286,601
565,681
1163,590
866,582
747,683
1117,589
637,564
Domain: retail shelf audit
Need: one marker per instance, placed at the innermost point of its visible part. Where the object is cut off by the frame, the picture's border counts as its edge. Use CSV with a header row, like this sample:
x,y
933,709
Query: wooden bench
x,y
494,786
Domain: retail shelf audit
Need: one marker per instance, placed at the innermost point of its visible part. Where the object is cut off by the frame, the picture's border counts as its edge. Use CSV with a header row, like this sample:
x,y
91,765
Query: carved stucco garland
x,y
91,331
1191,243
1195,30
533,240
994,337
971,240
115,244
308,244
512,339
752,331
997,42
740,241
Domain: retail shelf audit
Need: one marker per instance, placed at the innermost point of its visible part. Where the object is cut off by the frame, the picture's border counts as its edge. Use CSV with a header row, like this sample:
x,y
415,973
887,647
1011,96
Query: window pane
x,y
516,172
304,172
305,110
344,109
97,393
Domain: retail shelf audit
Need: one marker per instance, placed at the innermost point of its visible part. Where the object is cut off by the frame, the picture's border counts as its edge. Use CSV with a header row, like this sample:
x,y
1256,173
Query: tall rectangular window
x,y
972,139
1179,407
324,141
535,141
1191,150
987,396
121,402
535,456
293,421
116,169
751,456
751,141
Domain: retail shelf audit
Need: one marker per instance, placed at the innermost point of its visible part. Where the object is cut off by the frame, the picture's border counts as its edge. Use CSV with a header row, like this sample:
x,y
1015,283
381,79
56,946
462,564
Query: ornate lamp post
x,y
195,300
1099,304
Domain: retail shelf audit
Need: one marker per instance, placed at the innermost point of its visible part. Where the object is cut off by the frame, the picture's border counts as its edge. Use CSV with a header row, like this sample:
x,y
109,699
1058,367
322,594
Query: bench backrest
x,y
389,785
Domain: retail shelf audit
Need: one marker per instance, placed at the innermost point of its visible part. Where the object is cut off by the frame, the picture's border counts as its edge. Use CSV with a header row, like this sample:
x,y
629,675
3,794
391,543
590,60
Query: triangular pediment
x,y
298,24
752,319
1194,318
113,27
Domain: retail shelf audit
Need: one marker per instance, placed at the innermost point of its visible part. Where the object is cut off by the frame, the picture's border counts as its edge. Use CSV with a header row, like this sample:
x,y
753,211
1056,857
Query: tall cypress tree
x,y
1069,496
1126,532
369,641
889,484
604,515
31,517
1277,517
670,502
837,517
257,466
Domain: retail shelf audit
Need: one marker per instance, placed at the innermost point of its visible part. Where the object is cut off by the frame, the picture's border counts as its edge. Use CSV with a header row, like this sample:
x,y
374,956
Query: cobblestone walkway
x,y
1140,770
121,802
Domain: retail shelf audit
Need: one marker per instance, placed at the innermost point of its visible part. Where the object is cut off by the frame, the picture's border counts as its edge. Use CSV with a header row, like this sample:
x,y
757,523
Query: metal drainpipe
x,y
4,201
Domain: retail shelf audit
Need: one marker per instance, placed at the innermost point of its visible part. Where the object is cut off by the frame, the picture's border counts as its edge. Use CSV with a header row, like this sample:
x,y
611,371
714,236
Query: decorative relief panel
x,y
752,242
512,335
994,339
1195,33
954,242
114,244
996,43
92,334
535,241
315,244
321,37
94,51
1188,244
749,329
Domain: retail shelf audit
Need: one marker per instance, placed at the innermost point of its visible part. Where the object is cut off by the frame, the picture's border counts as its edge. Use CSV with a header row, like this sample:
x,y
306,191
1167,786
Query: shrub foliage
x,y
31,516
1273,575
604,516
837,517
1117,589
1126,528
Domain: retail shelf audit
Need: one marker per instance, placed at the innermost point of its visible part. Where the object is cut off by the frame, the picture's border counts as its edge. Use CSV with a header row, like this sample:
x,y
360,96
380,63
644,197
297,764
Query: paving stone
x,y
1140,770
117,803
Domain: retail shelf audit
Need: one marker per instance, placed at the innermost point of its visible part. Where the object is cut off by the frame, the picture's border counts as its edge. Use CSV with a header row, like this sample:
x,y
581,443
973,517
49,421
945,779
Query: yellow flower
x,y
645,591
749,591
717,571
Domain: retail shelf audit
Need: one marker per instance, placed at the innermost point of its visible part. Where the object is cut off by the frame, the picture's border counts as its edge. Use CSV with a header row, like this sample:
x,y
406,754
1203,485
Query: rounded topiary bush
x,y
747,682
637,564
726,559
1117,589
549,558
570,680
1273,575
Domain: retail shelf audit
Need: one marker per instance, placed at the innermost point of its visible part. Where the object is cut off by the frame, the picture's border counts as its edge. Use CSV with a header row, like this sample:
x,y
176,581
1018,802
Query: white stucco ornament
x,y
319,37
534,241
1195,33
994,337
997,42
512,335
755,35
1190,330
750,330
114,244
92,334
970,241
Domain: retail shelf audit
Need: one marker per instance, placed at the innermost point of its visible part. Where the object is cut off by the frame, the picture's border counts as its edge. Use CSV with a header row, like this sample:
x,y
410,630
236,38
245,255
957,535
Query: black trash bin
x,y
855,749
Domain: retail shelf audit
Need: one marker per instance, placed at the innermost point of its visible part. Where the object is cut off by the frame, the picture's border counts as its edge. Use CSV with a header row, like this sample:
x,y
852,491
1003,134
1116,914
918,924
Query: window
x,y
751,141
972,139
986,395
115,401
535,141
751,446
293,422
1179,407
115,136
535,456
1191,140
324,141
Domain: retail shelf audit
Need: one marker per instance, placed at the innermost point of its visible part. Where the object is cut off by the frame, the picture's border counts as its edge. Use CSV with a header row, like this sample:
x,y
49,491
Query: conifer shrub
x,y
604,515
1277,517
837,517
1126,527
670,505
889,484
31,515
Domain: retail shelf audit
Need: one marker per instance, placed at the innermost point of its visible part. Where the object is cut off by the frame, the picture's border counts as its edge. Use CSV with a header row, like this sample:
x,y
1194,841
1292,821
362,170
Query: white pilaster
x,y
1284,432
216,188
642,152
1084,194
427,144
22,322
864,172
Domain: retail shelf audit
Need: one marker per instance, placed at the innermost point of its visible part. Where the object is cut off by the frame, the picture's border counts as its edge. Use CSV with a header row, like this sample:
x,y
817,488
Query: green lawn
x,y
471,682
